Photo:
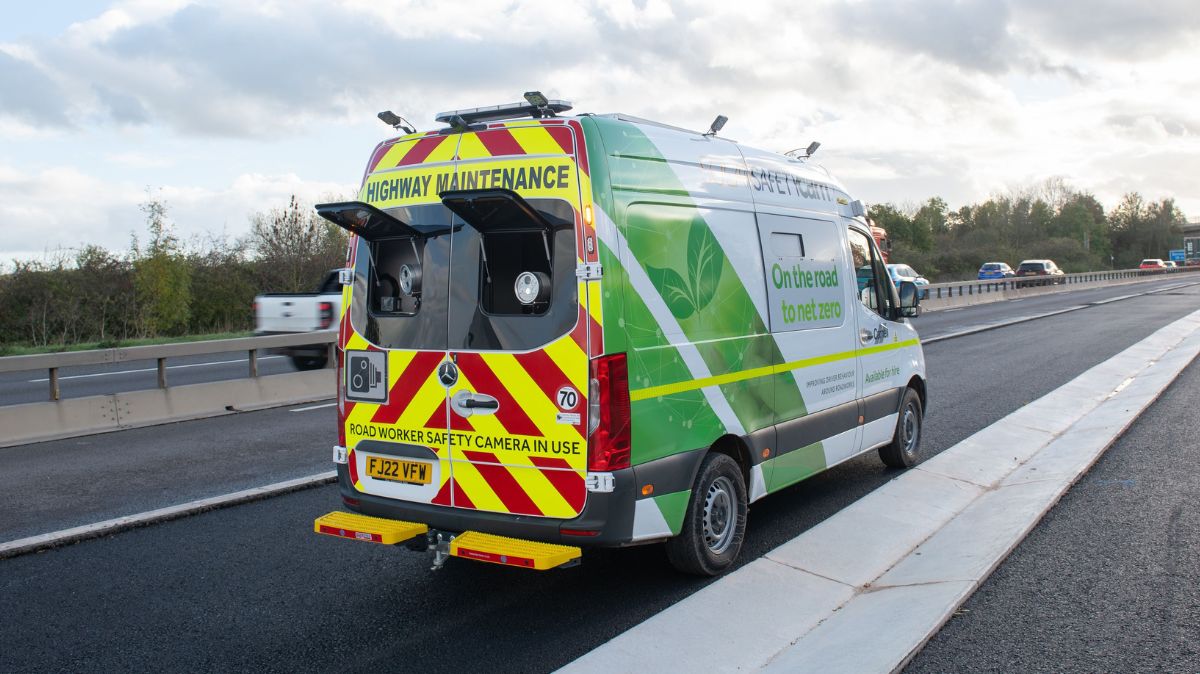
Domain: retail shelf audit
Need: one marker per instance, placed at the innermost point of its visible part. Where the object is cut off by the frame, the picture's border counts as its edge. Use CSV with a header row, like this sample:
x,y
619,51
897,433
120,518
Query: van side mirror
x,y
910,300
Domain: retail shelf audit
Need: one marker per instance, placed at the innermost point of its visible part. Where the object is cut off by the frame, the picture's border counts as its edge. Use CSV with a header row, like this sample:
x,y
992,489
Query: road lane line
x,y
865,589
314,407
53,539
1001,324
149,369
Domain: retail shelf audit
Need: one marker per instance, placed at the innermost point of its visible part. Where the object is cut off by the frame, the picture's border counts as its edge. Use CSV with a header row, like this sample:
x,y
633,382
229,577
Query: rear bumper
x,y
610,514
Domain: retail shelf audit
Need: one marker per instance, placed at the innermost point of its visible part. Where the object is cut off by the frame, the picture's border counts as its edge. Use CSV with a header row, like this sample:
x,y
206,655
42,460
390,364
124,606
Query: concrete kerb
x,y
907,566
53,539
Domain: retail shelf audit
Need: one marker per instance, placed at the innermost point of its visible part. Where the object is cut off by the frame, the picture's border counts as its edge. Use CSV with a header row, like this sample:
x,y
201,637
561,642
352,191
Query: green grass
x,y
23,350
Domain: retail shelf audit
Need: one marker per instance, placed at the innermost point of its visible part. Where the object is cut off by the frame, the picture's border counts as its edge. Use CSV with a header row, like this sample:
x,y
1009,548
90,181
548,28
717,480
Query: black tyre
x,y
308,362
715,522
904,450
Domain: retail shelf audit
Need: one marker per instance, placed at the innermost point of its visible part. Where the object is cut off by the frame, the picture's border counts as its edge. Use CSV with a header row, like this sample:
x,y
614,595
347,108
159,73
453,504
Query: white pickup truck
x,y
282,313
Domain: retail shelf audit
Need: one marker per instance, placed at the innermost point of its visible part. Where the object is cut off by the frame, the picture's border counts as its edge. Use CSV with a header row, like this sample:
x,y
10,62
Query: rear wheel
x,y
308,362
904,450
715,521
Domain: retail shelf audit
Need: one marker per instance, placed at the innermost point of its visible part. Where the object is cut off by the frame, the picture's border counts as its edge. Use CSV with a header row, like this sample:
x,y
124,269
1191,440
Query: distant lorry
x,y
881,239
1191,251
284,313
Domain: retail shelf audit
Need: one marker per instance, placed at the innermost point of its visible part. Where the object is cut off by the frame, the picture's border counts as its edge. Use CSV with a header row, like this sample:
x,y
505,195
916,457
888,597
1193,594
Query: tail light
x,y
608,414
326,309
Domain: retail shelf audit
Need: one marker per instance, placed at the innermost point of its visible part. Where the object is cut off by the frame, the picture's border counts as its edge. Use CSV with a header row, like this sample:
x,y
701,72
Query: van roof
x,y
755,161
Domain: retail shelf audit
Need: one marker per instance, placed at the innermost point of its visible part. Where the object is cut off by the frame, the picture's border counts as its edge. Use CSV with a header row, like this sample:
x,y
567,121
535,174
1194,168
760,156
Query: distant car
x,y
1171,264
1040,272
1152,263
995,271
285,313
903,272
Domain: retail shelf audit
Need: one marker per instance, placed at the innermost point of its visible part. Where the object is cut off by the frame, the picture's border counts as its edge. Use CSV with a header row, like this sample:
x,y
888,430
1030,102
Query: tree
x,y
161,275
295,247
931,219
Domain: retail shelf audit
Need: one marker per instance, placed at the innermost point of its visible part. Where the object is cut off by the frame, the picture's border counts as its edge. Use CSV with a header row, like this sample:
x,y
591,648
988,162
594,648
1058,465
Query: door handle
x,y
481,404
464,403
865,336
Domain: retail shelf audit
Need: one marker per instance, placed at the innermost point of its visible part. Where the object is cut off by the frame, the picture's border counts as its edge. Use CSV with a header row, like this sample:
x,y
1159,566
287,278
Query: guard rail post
x,y
54,393
253,360
331,355
162,372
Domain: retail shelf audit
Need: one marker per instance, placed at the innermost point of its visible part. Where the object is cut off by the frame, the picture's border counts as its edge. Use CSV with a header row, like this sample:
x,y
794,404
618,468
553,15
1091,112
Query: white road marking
x,y
1118,298
150,369
314,407
64,536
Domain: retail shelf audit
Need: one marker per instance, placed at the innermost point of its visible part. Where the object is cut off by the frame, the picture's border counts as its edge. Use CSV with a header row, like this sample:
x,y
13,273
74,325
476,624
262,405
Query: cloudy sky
x,y
223,108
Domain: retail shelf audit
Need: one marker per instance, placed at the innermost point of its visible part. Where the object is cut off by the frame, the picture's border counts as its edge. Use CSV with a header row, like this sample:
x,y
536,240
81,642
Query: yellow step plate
x,y
512,551
367,528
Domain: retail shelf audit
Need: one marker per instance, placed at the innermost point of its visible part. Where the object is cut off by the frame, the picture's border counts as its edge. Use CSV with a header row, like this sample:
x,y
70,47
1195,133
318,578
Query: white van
x,y
596,330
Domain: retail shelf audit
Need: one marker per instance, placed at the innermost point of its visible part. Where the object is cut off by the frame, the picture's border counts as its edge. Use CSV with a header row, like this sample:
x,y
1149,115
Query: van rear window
x,y
456,287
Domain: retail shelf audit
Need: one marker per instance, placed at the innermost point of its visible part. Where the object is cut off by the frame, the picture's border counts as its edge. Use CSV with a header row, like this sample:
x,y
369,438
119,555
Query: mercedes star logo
x,y
448,373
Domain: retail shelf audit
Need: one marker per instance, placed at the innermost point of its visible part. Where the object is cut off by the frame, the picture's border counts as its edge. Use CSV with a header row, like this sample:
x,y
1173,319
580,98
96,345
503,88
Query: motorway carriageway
x,y
251,586
74,382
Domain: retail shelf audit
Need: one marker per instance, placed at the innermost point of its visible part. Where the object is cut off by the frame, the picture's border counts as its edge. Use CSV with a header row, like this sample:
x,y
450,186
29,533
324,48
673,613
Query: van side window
x,y
802,261
871,275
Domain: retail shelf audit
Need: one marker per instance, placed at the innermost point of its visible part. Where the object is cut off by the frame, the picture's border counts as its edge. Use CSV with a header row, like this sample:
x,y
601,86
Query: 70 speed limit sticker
x,y
567,398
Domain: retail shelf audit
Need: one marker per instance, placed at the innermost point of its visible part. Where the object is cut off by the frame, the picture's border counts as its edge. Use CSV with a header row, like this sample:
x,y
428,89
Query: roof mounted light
x,y
808,151
536,99
494,113
717,125
395,121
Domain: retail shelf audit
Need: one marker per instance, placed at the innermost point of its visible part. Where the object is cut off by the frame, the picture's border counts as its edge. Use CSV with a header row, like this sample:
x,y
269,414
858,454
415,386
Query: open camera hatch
x,y
366,221
516,249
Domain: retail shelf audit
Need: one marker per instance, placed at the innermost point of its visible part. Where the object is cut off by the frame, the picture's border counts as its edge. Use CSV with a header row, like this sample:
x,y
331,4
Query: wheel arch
x,y
735,448
918,384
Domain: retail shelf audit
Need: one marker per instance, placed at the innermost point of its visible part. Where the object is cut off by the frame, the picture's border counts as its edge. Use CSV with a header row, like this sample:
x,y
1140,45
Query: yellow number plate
x,y
398,470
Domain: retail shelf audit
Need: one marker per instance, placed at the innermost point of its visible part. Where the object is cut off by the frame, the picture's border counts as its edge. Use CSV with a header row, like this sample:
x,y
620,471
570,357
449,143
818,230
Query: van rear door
x,y
518,332
393,331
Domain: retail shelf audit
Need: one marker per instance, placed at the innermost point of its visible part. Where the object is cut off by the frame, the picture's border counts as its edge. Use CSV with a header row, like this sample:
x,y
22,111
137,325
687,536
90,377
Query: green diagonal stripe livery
x,y
668,234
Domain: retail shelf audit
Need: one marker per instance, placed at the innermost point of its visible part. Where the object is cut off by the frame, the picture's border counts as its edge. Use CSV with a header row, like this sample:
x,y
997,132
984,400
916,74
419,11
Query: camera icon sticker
x,y
366,376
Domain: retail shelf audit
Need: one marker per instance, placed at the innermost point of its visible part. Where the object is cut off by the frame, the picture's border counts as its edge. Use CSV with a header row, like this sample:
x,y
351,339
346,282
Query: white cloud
x,y
931,97
107,213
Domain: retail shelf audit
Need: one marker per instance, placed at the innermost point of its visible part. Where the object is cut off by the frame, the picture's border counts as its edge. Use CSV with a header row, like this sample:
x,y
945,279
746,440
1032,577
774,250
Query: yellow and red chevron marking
x,y
523,459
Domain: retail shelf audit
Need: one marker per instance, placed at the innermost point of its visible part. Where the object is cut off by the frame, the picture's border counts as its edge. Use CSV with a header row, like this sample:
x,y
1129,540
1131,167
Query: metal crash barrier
x,y
965,293
70,417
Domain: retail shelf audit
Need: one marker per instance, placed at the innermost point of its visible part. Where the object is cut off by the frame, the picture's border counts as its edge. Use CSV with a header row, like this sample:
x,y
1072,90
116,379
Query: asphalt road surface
x,y
1110,579
252,587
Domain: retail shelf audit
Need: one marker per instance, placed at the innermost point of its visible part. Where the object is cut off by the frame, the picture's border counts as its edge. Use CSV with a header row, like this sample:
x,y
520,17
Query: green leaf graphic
x,y
704,264
675,292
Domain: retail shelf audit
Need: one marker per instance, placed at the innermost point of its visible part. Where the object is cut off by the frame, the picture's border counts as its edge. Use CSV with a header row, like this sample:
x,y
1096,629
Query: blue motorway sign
x,y
1177,255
